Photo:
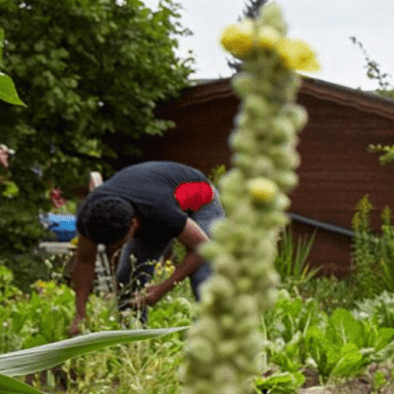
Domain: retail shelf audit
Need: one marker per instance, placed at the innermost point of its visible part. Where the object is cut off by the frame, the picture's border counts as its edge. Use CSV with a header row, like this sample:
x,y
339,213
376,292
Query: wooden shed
x,y
336,169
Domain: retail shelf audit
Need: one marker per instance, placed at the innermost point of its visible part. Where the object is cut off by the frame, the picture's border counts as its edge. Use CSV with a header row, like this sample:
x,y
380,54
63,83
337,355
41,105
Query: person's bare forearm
x,y
191,263
82,280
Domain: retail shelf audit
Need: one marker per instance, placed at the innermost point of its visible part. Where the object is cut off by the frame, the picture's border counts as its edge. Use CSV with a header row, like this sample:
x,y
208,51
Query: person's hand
x,y
149,297
74,330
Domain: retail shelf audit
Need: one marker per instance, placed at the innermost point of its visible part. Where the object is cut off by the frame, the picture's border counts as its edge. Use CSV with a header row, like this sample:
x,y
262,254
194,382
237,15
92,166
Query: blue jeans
x,y
136,277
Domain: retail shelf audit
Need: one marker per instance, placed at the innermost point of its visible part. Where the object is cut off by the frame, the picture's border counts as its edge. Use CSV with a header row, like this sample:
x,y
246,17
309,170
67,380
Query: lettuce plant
x,y
224,346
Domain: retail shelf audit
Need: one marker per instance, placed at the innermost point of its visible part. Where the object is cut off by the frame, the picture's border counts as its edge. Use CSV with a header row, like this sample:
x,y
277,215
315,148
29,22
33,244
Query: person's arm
x,y
83,277
191,237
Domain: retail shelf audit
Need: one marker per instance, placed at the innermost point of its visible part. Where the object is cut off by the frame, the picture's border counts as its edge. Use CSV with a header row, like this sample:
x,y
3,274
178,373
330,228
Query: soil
x,y
364,384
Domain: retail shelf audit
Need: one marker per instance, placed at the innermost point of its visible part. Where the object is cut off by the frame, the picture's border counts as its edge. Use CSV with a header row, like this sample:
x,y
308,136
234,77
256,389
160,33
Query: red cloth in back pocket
x,y
193,195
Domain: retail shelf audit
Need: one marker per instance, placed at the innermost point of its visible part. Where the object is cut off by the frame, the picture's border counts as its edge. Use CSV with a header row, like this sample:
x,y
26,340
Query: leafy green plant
x,y
7,289
366,252
8,92
292,261
373,255
386,257
216,173
330,292
281,383
338,345
379,308
46,356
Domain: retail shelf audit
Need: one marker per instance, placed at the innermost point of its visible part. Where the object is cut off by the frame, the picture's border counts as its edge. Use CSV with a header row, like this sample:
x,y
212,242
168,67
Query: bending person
x,y
142,209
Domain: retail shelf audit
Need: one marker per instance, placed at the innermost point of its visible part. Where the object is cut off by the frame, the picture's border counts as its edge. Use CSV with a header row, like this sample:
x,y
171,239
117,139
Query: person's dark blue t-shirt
x,y
163,193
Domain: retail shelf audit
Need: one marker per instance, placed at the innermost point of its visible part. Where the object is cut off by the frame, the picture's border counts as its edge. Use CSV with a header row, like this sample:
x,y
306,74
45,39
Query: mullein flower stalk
x,y
224,347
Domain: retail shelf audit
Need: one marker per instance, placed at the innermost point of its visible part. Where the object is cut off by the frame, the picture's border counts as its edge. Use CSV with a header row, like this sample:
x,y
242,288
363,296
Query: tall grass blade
x,y
12,386
43,357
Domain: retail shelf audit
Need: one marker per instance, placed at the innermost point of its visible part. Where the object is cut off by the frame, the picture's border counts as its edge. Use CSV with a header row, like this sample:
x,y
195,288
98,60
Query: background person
x,y
142,209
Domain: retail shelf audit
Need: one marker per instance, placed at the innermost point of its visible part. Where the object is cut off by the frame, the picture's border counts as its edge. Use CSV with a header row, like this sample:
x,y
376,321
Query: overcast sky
x,y
325,24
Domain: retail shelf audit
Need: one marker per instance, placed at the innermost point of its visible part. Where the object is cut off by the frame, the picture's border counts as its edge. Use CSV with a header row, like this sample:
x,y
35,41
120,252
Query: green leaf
x,y
8,92
285,382
350,360
11,189
343,328
43,357
384,337
12,386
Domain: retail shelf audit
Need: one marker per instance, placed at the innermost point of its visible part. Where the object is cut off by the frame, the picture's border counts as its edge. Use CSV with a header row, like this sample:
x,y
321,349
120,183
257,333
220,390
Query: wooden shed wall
x,y
335,173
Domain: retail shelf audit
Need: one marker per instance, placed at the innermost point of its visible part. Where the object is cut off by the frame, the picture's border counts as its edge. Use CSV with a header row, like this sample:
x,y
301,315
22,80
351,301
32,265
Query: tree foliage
x,y
91,73
386,90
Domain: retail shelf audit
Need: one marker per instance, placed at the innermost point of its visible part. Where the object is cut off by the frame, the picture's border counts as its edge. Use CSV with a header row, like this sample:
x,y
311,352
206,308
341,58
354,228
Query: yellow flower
x,y
74,241
268,37
298,55
262,189
40,284
238,38
45,288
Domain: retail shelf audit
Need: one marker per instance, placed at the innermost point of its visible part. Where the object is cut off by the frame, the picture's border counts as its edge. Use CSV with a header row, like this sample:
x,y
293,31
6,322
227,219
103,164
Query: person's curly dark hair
x,y
105,220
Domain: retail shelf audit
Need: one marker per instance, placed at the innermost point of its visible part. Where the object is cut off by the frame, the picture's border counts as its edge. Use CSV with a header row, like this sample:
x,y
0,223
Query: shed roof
x,y
206,90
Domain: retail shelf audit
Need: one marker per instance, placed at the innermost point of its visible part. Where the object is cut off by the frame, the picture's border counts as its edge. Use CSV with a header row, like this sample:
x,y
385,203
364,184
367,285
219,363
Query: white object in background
x,y
95,180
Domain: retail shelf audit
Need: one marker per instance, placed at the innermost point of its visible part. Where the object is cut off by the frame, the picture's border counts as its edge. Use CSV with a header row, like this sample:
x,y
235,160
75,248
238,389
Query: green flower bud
x,y
211,249
243,161
243,142
225,373
228,388
227,349
243,121
207,327
227,321
244,214
229,201
244,285
247,324
256,106
251,343
262,190
227,266
273,219
220,286
297,115
258,269
243,84
220,229
245,305
282,130
231,182
286,180
272,16
281,202
200,349
202,387
263,165
285,157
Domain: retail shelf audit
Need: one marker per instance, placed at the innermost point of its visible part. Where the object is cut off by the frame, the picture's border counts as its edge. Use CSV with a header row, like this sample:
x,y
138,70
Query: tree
x,y
386,89
91,73
251,11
